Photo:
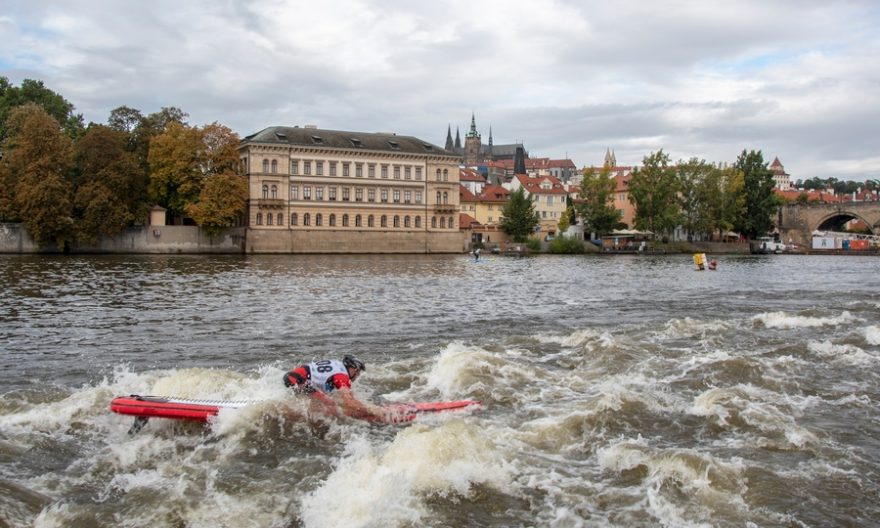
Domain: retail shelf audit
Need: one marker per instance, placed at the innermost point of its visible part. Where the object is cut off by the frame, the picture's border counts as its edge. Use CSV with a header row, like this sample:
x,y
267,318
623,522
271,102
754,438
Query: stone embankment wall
x,y
148,239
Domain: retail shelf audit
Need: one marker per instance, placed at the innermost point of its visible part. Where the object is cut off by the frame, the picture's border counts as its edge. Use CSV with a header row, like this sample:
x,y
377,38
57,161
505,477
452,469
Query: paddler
x,y
320,378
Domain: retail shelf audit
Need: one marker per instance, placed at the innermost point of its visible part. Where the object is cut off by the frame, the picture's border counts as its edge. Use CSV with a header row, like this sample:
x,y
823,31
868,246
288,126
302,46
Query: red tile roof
x,y
465,194
466,221
494,193
533,185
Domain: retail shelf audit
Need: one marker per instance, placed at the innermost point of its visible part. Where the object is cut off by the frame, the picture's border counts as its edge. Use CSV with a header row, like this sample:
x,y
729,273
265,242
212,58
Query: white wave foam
x,y
872,334
849,354
783,320
715,484
688,327
389,489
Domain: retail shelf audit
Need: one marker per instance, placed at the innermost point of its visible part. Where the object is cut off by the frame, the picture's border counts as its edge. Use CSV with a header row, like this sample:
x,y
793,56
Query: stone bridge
x,y
796,222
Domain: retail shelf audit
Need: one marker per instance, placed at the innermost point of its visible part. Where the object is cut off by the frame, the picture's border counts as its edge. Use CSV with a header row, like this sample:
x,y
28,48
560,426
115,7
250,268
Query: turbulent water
x,y
618,391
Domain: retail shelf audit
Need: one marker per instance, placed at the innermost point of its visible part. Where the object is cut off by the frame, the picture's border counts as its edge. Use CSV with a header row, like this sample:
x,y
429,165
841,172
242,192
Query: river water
x,y
618,391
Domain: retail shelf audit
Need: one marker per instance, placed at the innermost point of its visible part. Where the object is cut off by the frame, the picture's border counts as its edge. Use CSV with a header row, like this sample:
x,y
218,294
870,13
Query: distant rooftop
x,y
374,141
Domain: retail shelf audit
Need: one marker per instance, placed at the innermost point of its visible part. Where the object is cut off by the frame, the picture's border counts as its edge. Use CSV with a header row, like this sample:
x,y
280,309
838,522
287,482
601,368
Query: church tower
x,y
473,144
519,160
457,141
610,158
449,145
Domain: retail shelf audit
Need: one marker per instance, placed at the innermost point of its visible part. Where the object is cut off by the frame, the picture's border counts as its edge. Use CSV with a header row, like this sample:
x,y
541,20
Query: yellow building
x,y
329,191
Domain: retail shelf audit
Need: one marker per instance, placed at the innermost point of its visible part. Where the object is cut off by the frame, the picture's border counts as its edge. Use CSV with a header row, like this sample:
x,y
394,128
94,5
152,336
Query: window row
x,y
344,194
317,168
415,221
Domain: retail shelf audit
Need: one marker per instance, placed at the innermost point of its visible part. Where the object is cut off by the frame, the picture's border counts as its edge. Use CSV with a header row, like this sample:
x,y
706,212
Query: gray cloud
x,y
796,79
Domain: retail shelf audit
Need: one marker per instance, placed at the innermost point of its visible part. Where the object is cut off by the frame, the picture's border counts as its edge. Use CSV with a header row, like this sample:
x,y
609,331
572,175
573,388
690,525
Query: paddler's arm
x,y
358,409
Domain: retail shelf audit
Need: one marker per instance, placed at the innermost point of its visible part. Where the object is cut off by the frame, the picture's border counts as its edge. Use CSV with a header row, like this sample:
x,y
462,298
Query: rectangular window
x,y
345,193
397,172
294,166
307,192
396,196
359,195
332,193
418,173
345,172
418,197
319,168
319,193
407,173
384,195
549,200
359,170
307,167
294,192
407,196
371,171
371,195
332,168
385,171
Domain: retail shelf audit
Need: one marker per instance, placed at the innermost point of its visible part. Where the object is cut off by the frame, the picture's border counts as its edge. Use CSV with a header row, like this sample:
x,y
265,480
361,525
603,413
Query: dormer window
x,y
355,142
318,140
394,145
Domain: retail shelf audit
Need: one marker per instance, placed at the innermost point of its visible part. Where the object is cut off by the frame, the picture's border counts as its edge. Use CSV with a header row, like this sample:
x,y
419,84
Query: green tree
x,y
37,160
520,216
563,223
222,202
111,188
760,202
32,91
694,192
653,190
596,204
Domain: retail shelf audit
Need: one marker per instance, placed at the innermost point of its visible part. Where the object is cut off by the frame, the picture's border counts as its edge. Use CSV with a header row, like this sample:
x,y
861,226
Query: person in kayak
x,y
320,378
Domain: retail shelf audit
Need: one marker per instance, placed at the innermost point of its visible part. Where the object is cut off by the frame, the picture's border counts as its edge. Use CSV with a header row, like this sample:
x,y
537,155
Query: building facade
x,y
327,191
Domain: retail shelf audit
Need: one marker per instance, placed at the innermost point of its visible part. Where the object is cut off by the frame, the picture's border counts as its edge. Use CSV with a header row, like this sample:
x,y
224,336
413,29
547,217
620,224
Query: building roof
x,y
539,164
494,193
465,194
536,185
466,221
321,138
470,175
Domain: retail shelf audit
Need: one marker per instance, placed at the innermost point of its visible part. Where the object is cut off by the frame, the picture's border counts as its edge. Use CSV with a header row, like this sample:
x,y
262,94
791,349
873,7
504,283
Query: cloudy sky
x,y
797,79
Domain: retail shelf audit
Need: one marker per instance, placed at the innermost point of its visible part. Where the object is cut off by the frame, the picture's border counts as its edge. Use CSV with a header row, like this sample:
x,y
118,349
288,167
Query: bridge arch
x,y
797,221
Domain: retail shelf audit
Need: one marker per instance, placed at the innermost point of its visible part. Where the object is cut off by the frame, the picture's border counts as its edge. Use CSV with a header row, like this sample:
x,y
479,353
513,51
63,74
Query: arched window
x,y
384,221
406,221
319,219
269,219
293,219
345,220
439,198
438,174
445,198
451,223
274,190
396,221
357,220
265,191
332,220
265,165
274,166
445,174
434,222
280,219
306,219
370,221
418,221
259,218
442,222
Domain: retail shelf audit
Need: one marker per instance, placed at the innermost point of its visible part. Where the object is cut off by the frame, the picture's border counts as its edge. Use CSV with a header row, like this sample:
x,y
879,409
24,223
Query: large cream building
x,y
330,191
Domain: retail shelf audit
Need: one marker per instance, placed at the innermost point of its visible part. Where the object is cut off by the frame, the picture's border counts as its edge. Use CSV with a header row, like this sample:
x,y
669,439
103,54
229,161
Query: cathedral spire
x,y
473,132
457,140
449,144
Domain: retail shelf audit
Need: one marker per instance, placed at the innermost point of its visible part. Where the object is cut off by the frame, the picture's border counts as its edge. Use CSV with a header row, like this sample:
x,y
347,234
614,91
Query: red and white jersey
x,y
323,373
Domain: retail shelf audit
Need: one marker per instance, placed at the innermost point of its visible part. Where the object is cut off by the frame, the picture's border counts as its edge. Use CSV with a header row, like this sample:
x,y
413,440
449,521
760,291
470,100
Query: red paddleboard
x,y
145,407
